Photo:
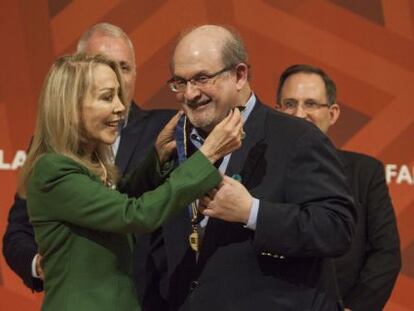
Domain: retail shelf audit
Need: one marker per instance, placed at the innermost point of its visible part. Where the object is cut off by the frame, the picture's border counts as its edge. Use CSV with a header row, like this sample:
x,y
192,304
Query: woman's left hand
x,y
165,143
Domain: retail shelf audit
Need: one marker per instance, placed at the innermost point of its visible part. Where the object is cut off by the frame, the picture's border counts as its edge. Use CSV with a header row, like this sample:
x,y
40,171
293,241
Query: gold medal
x,y
193,239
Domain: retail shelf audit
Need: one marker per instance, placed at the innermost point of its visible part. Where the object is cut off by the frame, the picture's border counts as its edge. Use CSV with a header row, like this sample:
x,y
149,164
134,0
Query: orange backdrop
x,y
366,46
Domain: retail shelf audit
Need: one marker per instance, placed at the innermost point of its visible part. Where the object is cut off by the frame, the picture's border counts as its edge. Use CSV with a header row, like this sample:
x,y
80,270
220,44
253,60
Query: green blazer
x,y
83,228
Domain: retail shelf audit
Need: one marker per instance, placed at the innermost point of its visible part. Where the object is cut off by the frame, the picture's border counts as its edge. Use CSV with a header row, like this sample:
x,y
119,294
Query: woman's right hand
x,y
224,138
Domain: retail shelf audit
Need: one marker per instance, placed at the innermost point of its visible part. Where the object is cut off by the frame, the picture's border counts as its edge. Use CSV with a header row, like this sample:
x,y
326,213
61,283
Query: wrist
x,y
253,214
160,155
211,156
247,213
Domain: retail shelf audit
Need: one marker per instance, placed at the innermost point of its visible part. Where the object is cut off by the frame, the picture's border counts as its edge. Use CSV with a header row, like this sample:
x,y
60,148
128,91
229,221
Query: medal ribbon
x,y
181,138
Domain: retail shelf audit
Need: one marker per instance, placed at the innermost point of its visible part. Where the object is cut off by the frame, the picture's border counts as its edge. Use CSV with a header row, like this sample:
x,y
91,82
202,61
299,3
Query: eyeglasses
x,y
178,84
308,105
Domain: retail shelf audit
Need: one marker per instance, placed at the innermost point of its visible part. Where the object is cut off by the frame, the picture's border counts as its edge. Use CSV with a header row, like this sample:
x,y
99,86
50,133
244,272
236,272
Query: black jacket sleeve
x,y
317,218
383,257
19,246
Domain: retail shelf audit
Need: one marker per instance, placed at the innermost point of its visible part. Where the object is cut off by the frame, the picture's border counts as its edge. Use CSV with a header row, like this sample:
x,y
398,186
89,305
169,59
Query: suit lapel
x,y
129,138
176,233
346,165
242,162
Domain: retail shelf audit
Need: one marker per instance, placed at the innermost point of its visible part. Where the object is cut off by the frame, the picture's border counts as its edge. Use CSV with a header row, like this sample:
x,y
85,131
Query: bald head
x,y
111,41
223,44
102,29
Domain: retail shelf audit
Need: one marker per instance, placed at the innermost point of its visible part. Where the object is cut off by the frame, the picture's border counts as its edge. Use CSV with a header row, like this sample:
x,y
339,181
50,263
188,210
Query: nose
x,y
119,106
191,91
300,112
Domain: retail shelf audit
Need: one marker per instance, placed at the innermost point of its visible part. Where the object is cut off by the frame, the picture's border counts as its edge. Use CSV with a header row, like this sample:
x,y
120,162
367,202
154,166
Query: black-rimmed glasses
x,y
308,105
178,84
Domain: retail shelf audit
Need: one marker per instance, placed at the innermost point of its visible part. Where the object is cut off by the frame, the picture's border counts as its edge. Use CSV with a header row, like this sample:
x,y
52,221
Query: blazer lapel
x,y
244,160
176,233
129,139
243,163
346,165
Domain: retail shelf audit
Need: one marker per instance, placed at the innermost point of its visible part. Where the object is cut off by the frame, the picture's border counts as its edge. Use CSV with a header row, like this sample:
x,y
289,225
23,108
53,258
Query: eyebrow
x,y
202,72
124,63
104,89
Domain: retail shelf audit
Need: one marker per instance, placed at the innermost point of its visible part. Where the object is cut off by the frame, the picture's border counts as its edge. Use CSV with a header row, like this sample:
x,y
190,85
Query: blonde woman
x,y
81,222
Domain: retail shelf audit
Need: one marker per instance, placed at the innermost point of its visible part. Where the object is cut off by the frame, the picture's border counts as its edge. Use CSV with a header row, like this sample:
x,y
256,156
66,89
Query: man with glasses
x,y
368,271
282,210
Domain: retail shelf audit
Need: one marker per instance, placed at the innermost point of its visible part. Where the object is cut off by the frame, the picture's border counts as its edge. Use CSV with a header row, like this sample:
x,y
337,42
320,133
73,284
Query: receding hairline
x,y
103,29
214,30
307,69
222,34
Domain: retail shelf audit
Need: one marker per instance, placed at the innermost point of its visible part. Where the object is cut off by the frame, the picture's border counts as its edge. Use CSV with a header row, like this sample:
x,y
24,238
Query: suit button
x,y
194,285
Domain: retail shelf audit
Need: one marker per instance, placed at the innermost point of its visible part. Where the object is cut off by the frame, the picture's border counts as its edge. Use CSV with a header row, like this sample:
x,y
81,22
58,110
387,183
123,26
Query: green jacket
x,y
81,226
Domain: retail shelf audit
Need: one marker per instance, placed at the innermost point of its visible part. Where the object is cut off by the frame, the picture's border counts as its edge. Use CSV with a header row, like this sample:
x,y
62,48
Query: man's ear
x,y
242,75
334,112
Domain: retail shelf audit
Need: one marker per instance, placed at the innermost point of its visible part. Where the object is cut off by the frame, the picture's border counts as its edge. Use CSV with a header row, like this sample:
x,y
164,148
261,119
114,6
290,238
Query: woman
x,y
81,222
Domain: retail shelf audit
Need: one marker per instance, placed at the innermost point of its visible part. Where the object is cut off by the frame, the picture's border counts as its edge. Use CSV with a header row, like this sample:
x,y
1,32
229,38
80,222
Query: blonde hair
x,y
59,127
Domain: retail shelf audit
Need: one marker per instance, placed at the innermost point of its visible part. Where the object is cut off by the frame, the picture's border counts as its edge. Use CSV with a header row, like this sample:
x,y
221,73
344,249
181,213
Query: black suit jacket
x,y
137,137
367,273
306,215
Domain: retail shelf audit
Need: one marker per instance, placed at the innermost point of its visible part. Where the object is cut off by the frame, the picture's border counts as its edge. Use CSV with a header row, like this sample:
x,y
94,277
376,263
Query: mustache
x,y
197,102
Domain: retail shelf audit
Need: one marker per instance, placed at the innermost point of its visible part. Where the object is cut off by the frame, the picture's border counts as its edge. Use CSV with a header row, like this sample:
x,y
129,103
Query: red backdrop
x,y
366,46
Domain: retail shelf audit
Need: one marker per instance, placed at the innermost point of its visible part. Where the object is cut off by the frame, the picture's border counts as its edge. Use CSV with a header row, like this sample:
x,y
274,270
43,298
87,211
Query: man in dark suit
x,y
367,273
268,239
137,136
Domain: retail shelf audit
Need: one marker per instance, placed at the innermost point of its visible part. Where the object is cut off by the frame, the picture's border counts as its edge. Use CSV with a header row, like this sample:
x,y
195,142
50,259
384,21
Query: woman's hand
x,y
38,265
224,138
165,143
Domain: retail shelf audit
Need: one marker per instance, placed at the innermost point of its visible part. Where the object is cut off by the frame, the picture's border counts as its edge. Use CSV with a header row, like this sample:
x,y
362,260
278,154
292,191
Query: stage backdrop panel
x,y
366,46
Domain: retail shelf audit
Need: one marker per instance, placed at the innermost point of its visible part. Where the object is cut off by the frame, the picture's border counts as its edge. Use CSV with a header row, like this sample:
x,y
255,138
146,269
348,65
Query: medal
x,y
193,239
181,139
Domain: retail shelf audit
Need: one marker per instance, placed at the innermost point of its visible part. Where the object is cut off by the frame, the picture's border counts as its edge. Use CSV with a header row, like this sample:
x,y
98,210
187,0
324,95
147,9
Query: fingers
x,y
233,124
229,180
204,201
208,212
226,120
236,122
212,193
232,118
224,138
236,113
205,206
173,121
239,120
39,270
171,146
